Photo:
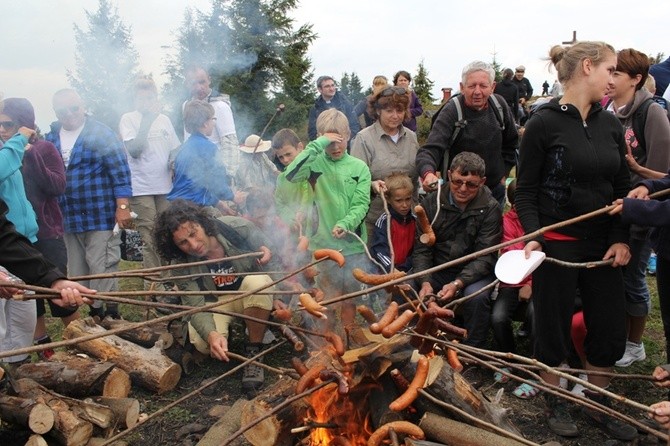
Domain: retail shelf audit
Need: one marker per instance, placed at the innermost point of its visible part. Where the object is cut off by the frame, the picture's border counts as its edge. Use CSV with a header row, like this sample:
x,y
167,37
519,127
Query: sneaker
x,y
634,352
651,266
579,389
45,355
253,375
611,426
558,415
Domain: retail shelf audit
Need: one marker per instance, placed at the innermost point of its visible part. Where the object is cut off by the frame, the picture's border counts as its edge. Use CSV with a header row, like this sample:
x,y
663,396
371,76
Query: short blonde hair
x,y
333,121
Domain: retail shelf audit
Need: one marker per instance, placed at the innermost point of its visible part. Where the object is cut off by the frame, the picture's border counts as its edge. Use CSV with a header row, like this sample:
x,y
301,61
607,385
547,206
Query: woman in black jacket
x,y
571,163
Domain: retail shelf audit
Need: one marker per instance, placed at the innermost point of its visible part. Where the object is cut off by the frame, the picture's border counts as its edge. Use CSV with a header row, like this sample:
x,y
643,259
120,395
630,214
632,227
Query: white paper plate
x,y
513,266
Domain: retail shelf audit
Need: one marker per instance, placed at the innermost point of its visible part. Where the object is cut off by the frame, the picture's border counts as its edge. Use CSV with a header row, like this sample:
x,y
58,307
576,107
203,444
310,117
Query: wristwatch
x,y
123,207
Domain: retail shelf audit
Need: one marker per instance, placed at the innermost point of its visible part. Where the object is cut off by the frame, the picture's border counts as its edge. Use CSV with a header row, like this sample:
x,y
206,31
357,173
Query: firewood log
x,y
36,440
126,410
97,414
69,375
228,424
453,432
30,413
146,336
149,367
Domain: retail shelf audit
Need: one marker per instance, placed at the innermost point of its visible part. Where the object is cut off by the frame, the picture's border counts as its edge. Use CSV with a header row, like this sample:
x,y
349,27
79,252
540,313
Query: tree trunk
x,y
146,336
70,375
36,416
115,385
149,367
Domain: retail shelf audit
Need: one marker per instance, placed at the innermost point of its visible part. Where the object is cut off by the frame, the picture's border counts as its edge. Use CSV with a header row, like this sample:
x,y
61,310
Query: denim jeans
x,y
638,302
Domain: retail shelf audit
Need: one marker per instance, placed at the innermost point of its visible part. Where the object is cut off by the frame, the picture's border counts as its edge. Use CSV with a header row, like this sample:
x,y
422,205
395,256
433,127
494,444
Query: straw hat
x,y
251,142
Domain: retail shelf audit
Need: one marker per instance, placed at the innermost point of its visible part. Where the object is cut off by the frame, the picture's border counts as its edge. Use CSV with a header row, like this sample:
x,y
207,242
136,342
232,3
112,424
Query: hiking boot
x,y
45,355
558,417
634,352
96,312
611,426
253,375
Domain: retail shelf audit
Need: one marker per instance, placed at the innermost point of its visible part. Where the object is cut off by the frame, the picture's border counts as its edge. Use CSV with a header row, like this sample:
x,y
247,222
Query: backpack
x,y
640,118
461,122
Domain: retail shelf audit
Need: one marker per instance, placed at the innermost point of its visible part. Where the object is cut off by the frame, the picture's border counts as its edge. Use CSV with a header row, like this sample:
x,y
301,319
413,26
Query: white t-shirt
x,y
666,95
150,172
67,140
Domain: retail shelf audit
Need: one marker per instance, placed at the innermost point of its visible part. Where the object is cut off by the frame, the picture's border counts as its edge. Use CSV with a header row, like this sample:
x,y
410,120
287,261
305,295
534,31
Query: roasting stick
x,y
178,401
365,246
131,326
484,251
388,230
159,269
48,293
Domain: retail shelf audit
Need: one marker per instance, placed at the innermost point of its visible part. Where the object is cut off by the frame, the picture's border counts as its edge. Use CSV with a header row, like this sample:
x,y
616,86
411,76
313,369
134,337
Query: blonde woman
x,y
572,161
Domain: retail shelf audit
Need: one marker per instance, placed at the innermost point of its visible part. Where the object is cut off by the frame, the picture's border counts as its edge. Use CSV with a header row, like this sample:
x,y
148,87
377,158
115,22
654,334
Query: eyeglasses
x,y
67,110
390,91
8,125
468,184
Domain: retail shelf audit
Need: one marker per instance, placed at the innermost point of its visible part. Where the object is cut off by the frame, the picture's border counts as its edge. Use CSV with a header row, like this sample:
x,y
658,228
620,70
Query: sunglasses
x,y
8,125
468,184
67,110
390,91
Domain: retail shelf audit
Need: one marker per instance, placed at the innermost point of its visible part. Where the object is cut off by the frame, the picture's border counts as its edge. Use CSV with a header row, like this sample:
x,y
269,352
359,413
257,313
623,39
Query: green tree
x,y
660,57
106,64
355,88
248,47
423,85
497,68
344,86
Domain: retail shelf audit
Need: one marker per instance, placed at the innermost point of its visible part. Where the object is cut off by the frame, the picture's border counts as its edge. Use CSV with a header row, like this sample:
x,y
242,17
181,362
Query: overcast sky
x,y
364,36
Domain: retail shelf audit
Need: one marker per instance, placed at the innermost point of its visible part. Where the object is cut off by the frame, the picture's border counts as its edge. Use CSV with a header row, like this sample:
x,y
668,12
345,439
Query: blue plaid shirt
x,y
97,175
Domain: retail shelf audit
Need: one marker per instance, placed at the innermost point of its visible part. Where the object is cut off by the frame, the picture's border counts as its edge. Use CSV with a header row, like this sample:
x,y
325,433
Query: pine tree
x,y
423,85
252,53
106,64
344,86
355,88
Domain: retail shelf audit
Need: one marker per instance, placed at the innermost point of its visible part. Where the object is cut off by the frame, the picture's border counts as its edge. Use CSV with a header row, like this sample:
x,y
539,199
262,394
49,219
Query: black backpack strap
x,y
639,121
498,110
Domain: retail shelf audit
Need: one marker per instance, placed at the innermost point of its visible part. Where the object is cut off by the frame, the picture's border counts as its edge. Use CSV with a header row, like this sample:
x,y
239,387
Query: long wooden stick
x,y
388,232
166,318
159,269
482,252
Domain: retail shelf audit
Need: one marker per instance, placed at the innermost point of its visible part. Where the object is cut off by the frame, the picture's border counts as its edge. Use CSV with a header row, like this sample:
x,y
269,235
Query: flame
x,y
328,406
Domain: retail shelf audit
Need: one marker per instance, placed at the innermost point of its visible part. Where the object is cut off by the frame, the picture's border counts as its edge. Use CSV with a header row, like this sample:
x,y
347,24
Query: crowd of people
x,y
491,169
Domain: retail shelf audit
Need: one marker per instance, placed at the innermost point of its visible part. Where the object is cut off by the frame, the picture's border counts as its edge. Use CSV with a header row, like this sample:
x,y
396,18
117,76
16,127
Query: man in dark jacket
x,y
331,98
469,220
480,130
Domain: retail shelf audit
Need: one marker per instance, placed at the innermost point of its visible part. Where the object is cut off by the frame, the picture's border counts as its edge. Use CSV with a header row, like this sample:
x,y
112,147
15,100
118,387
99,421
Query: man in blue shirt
x,y
96,193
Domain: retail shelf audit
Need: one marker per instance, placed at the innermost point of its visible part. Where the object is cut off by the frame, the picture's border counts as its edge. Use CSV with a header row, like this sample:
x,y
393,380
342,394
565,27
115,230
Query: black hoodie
x,y
568,167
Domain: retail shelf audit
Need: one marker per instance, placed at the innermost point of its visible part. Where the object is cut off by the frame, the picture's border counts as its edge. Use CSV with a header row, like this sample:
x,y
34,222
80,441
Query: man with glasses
x,y
329,97
475,120
96,194
468,220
